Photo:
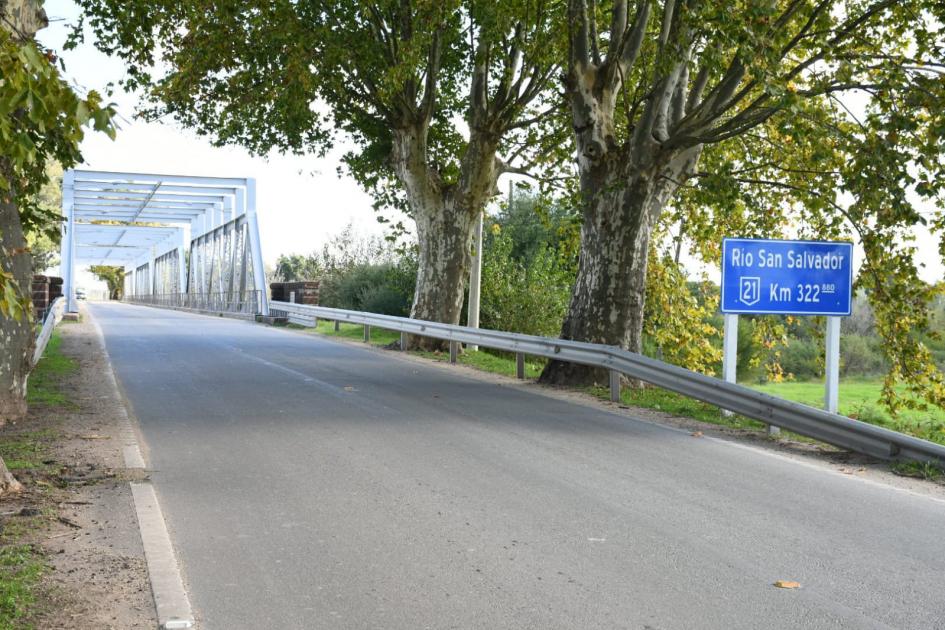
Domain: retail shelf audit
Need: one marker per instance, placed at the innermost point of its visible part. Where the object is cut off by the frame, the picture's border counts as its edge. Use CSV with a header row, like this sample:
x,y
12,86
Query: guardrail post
x,y
614,386
520,365
337,325
454,351
367,333
403,341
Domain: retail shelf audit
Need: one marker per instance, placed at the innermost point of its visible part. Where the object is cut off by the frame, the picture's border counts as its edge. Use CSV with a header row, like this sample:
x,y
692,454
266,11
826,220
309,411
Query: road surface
x,y
309,483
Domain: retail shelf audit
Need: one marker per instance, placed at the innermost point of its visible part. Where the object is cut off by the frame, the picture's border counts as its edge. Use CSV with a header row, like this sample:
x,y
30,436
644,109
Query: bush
x,y
803,359
385,288
861,356
527,296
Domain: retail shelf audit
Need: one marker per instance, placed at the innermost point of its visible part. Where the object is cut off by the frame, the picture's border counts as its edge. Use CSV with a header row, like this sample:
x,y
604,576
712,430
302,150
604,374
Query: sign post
x,y
761,276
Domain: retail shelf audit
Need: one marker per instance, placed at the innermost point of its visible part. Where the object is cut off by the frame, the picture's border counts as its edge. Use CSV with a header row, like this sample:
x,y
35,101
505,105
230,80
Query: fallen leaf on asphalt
x,y
696,434
787,584
95,437
348,388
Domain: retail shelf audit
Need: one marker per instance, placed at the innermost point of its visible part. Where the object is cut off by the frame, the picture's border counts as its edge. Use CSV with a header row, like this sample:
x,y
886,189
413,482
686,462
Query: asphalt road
x,y
314,484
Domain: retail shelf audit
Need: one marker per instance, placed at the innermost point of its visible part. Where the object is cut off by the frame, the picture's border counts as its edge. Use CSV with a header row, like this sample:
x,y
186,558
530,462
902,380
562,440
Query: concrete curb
x,y
170,599
129,439
167,586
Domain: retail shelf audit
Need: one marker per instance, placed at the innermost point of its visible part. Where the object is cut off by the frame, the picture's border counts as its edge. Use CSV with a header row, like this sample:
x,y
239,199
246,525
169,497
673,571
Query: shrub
x,y
861,356
803,358
385,288
523,295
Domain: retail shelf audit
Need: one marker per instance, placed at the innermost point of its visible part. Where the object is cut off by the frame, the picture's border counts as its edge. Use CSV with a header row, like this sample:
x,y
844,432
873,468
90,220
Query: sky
x,y
301,200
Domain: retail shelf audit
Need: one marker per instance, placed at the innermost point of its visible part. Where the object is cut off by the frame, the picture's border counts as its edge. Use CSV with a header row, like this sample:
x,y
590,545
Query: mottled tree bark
x,y
445,216
620,211
16,335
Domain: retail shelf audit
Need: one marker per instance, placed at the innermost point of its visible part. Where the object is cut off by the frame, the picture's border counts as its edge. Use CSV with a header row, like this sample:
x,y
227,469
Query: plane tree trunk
x,y
16,334
23,18
445,216
620,210
625,185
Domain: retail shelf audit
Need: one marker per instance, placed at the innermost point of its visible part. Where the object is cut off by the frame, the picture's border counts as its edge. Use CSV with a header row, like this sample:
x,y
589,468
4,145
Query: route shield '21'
x,y
787,277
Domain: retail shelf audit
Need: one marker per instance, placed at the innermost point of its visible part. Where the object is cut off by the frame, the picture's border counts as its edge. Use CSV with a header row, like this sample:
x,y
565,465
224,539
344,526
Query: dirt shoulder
x,y
76,518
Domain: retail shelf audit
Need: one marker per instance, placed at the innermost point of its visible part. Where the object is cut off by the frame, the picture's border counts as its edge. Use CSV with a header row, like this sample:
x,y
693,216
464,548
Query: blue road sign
x,y
786,277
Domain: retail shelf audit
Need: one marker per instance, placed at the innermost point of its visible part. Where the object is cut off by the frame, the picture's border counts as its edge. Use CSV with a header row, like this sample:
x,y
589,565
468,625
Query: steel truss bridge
x,y
185,241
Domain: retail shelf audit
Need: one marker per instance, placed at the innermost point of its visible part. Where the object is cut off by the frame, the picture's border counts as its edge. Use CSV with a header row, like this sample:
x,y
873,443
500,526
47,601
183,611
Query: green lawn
x,y
859,399
43,387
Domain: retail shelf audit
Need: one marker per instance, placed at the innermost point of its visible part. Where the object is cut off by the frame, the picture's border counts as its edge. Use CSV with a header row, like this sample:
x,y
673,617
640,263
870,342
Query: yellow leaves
x,y
787,584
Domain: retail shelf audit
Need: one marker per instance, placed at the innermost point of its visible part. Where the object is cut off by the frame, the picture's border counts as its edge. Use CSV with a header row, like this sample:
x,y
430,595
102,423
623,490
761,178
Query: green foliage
x,y
678,320
858,399
114,277
44,243
296,267
379,288
525,295
802,359
248,73
41,119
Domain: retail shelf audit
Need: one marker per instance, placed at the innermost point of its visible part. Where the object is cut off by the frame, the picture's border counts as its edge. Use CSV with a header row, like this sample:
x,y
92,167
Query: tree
x,y
41,119
296,267
818,117
113,277
431,92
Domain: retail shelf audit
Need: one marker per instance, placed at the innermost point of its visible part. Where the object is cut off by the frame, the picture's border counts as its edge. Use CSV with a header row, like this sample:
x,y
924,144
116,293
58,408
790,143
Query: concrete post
x,y
614,386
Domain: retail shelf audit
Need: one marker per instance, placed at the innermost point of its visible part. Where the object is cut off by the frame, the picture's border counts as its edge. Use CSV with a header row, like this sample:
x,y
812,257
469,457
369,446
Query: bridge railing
x,y
51,320
242,302
802,419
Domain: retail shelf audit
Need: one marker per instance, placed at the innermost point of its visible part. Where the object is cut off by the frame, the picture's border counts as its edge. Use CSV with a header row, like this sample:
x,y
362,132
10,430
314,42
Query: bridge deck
x,y
313,484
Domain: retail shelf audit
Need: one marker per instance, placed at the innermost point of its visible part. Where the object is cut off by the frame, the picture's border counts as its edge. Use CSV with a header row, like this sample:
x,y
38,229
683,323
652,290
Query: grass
x,y
919,470
44,384
21,567
858,399
25,451
672,403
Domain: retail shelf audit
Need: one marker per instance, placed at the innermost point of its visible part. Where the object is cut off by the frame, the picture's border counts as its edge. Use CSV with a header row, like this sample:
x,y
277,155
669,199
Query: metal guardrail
x,y
52,318
802,419
245,302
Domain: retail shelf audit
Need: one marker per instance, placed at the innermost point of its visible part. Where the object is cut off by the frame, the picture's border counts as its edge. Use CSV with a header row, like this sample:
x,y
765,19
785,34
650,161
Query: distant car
x,y
80,294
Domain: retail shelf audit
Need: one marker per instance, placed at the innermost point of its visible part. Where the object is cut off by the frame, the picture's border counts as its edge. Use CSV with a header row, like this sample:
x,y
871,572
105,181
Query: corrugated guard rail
x,y
802,419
